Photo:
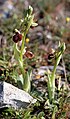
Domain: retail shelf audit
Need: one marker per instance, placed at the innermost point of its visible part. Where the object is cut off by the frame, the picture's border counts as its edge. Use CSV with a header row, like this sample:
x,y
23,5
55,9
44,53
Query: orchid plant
x,y
20,52
51,78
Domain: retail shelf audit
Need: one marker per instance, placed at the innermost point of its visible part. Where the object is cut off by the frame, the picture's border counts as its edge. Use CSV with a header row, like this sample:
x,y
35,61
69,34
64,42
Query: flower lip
x,y
17,37
20,37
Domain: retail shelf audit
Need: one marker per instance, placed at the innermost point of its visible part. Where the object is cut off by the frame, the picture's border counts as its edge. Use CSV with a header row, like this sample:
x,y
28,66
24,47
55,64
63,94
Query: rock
x,y
43,69
11,96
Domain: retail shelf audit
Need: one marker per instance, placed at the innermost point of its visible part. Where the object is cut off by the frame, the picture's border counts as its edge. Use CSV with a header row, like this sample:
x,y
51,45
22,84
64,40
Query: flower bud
x,y
30,10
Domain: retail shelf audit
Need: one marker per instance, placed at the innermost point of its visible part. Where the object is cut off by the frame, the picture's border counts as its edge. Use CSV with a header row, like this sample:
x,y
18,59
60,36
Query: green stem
x,y
22,49
24,36
53,79
22,46
21,61
54,70
53,75
21,55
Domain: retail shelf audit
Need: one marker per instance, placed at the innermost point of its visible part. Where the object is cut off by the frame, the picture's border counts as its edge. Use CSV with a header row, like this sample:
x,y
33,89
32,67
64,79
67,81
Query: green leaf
x,y
27,81
20,81
41,115
16,52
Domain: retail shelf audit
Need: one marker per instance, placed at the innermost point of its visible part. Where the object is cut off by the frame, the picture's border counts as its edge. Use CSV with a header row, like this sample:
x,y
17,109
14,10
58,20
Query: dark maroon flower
x,y
29,54
17,37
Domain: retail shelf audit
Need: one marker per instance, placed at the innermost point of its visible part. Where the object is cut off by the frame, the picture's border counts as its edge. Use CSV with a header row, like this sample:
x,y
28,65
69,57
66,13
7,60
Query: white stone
x,y
14,97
